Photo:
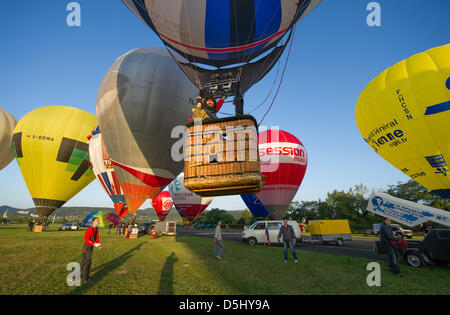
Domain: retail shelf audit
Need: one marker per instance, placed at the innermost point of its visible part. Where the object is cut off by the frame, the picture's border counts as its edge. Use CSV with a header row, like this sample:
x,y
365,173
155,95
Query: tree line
x,y
338,205
352,204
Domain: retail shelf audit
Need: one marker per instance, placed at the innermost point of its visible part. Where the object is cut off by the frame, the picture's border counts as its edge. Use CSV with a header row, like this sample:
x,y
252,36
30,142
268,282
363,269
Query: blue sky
x,y
334,56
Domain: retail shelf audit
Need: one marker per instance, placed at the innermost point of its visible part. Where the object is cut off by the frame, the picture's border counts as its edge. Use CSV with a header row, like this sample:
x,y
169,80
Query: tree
x,y
413,191
246,216
213,216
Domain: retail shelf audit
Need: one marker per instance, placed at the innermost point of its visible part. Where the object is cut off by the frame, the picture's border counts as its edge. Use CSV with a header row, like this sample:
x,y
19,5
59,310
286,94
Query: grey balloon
x,y
143,96
7,124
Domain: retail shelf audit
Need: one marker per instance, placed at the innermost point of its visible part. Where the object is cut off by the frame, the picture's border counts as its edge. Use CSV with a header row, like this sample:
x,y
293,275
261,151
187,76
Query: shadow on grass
x,y
103,270
166,282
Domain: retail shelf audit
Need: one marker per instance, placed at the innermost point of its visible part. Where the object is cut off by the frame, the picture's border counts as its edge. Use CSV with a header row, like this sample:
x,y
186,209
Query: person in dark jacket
x,y
90,240
388,242
288,234
425,229
207,109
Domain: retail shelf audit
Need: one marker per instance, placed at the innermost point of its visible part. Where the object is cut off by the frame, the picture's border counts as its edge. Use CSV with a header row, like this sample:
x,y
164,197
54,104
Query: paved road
x,y
355,248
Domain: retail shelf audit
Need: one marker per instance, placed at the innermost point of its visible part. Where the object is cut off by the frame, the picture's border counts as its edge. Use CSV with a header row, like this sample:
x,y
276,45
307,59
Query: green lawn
x,y
35,263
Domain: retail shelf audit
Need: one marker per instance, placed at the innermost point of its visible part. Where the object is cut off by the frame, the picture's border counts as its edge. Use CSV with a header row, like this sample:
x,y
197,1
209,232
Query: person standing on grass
x,y
90,240
288,234
389,243
218,246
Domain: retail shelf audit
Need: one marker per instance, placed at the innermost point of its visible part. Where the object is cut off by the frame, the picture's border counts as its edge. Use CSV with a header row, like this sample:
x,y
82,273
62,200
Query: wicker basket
x,y
221,157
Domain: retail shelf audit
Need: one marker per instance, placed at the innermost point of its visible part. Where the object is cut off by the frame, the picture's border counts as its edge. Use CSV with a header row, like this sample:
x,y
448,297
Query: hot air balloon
x,y
404,115
227,36
143,96
105,218
7,124
283,165
104,171
188,203
255,206
50,145
183,217
162,204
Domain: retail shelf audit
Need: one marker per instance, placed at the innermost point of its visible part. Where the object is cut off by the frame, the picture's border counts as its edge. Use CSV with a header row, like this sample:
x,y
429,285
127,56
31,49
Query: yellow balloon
x,y
404,115
51,149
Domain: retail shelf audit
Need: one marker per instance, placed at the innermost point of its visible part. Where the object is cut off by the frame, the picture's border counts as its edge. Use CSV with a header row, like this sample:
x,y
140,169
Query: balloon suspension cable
x,y
282,76
264,100
270,91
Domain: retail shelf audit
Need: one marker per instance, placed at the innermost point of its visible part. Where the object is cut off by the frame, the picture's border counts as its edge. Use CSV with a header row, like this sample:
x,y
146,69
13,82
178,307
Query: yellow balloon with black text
x,y
50,144
404,115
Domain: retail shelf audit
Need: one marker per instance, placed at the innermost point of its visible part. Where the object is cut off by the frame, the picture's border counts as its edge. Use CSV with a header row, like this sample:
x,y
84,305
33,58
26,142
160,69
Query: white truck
x,y
166,227
256,233
376,230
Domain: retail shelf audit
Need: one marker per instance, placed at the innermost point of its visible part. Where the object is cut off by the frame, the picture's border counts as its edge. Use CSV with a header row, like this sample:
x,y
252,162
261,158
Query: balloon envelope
x,y
105,218
104,171
50,145
162,204
283,166
188,203
255,206
220,33
223,33
7,124
143,96
404,115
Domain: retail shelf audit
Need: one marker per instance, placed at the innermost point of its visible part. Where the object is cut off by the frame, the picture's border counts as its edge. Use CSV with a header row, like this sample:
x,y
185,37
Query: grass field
x,y
35,263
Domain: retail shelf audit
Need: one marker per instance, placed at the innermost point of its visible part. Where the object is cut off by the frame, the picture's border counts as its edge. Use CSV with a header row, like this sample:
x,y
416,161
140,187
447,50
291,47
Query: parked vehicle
x,y
396,227
256,233
69,227
166,227
327,231
146,227
434,248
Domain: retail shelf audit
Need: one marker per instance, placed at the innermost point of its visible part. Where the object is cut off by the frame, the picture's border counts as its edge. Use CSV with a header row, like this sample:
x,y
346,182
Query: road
x,y
355,248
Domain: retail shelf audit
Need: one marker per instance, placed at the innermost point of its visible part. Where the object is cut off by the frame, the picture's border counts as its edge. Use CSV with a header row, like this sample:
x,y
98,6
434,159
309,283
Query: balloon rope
x,y
282,76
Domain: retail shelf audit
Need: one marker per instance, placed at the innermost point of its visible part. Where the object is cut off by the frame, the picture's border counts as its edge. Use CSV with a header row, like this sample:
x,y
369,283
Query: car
x,y
398,228
146,227
435,248
69,227
256,233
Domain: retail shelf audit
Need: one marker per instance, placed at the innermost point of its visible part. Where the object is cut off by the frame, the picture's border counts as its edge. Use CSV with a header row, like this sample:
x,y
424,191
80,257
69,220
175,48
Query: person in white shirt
x,y
218,246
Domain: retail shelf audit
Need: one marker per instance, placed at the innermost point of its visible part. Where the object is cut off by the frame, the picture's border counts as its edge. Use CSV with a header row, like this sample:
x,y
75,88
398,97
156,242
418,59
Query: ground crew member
x,y
90,240
288,234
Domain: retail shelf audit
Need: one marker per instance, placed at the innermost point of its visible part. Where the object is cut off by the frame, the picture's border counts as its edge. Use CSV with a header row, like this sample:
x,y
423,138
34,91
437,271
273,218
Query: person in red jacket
x,y
90,240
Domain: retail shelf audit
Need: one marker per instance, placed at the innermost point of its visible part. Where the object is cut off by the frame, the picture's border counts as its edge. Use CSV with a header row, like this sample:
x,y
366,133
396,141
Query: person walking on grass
x,y
218,246
90,240
288,234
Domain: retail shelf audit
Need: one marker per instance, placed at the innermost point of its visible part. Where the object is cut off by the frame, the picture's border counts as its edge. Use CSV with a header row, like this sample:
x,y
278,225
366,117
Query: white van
x,y
256,233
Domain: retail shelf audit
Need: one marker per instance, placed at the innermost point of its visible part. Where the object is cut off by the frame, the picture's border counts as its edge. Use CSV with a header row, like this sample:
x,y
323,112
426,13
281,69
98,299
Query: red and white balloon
x,y
283,166
162,204
188,203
